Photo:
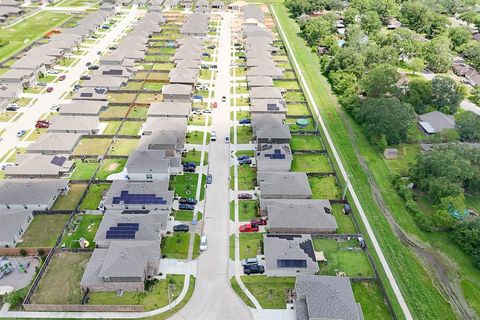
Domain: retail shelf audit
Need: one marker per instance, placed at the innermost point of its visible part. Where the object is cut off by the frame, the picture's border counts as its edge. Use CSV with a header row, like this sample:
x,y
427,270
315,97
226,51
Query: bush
x,y
23,252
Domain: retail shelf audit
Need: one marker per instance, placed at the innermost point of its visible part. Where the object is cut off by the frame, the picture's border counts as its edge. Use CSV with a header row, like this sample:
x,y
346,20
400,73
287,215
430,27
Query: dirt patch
x,y
112,167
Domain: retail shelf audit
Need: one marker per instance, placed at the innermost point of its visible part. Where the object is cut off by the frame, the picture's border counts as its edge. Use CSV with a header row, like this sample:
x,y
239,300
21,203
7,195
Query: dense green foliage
x,y
467,235
468,124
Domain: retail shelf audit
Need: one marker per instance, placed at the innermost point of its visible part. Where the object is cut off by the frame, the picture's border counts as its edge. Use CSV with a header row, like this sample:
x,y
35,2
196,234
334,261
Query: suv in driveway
x,y
181,228
254,268
187,201
245,196
249,261
248,227
184,206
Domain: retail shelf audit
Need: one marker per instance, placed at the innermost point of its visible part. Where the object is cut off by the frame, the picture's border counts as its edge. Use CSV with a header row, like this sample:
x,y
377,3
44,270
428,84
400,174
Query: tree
x,y
419,95
370,22
415,15
471,52
467,235
468,124
387,117
348,59
446,94
316,29
404,40
342,80
436,53
459,36
380,81
298,7
350,15
416,64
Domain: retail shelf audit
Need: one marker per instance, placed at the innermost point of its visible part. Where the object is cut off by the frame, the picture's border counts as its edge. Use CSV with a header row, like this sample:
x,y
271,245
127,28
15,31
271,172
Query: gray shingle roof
x,y
159,109
33,164
291,184
12,220
148,161
158,188
437,120
30,191
63,142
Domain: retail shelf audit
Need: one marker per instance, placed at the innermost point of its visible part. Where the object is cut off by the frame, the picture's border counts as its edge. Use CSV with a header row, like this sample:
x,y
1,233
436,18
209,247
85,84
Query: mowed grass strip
x,y
70,200
43,230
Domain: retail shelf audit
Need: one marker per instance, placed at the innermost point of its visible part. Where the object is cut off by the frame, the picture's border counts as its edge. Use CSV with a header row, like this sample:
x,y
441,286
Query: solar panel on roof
x,y
291,263
58,161
307,247
113,72
86,94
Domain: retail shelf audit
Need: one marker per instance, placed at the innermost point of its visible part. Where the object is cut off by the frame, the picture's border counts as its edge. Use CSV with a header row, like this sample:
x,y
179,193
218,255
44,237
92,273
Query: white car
x,y
55,107
213,136
53,71
203,243
207,111
226,139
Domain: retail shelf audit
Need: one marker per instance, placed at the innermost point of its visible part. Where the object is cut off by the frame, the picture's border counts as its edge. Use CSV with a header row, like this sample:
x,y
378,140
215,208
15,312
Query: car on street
x,y
224,98
86,77
207,111
41,84
209,178
203,243
93,67
245,196
213,136
226,139
49,89
184,206
248,227
53,71
55,107
21,133
13,107
249,261
245,121
258,222
181,228
42,124
245,161
62,77
254,268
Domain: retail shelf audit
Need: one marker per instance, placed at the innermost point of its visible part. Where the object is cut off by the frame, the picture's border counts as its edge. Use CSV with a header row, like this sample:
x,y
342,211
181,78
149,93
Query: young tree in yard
x,y
419,95
387,117
471,52
468,124
459,36
437,55
380,81
370,22
416,64
446,94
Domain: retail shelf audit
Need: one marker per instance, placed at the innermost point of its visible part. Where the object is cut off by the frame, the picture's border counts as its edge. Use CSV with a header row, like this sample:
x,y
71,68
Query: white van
x,y
203,243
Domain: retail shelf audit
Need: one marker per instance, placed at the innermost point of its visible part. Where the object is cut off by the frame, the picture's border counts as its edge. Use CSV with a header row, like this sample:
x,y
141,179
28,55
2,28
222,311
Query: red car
x,y
215,105
49,89
62,77
42,124
245,196
249,228
258,222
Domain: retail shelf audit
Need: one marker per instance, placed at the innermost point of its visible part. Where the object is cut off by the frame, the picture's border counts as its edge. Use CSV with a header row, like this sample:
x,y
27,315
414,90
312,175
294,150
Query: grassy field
x,y
154,297
114,112
247,210
344,221
85,226
241,115
246,177
325,188
110,166
186,215
194,156
123,147
112,127
130,128
186,185
371,299
240,293
244,134
196,137
304,142
92,147
61,282
93,197
311,163
423,298
70,200
198,120
83,170
29,30
250,244
271,292
43,231
176,245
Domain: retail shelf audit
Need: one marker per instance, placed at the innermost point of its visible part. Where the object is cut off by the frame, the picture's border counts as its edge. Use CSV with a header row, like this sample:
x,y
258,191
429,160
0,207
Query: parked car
x,y
93,67
209,178
224,98
245,196
211,46
105,27
53,71
245,121
213,136
243,157
226,139
181,228
254,268
184,206
55,107
13,107
347,209
49,89
249,261
189,164
41,84
203,243
21,133
215,105
205,54
88,64
62,77
259,222
42,124
248,227
207,111
245,161
188,201
189,169
86,77
113,48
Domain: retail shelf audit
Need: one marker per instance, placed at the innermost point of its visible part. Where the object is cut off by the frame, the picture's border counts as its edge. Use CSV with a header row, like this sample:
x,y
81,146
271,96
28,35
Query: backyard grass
x,y
186,185
82,226
61,282
44,230
93,196
123,98
198,120
70,200
138,113
271,292
240,293
83,170
92,147
371,299
176,245
112,127
289,84
344,221
194,156
130,128
294,127
407,155
110,166
123,147
155,296
186,215
306,142
343,256
246,177
311,163
114,112
244,134
196,137
250,245
153,86
325,187
247,210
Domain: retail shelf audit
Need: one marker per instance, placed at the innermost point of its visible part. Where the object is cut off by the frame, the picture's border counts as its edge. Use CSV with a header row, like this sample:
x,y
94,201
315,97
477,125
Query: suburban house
x,y
34,194
55,143
325,297
273,72
202,6
299,216
136,195
14,224
188,64
177,93
83,108
183,76
218,5
107,82
123,266
24,77
289,255
259,81
32,165
436,121
269,128
172,141
265,93
87,125
181,55
284,185
164,124
147,165
169,109
260,62
95,94
273,157
263,106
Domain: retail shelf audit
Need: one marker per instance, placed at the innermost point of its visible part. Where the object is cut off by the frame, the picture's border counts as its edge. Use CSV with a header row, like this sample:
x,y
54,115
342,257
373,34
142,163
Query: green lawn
x,y
371,299
7,116
311,163
92,147
186,215
198,120
83,226
93,197
271,292
241,115
244,134
407,156
44,230
306,142
83,170
175,246
114,112
196,246
186,185
70,200
343,256
154,297
247,210
35,134
112,127
250,245
29,30
240,293
110,166
246,177
344,221
196,137
194,156
123,147
153,86
325,188
130,128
